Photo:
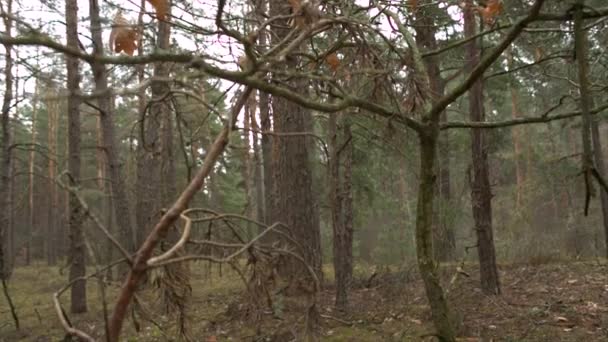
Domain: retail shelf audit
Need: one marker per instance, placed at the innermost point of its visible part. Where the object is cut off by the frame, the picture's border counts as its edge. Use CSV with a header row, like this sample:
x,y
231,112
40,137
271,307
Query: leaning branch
x,y
140,265
93,217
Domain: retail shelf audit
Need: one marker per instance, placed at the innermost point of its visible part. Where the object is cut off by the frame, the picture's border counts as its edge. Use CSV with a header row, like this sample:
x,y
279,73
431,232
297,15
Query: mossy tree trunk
x,y
424,237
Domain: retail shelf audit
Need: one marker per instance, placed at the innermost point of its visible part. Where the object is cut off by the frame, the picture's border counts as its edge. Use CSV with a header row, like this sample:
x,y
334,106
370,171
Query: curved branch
x,y
180,243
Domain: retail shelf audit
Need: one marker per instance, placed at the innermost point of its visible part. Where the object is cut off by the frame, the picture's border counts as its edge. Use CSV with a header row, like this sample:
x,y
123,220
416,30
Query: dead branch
x,y
178,245
140,265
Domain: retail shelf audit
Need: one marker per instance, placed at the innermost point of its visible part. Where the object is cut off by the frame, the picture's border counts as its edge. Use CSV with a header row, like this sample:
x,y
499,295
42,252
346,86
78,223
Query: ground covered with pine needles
x,y
543,302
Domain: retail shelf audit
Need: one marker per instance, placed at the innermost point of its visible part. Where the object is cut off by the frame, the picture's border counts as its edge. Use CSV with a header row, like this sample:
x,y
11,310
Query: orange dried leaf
x,y
491,11
161,7
413,4
244,63
296,6
333,61
123,36
126,41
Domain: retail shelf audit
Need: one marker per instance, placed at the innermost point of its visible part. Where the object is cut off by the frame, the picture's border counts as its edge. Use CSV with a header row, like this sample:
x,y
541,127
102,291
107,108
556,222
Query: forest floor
x,y
542,302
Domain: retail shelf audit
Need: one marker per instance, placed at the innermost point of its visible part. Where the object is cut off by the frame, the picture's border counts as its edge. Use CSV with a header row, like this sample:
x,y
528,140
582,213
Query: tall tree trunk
x,y
50,233
5,158
294,197
267,157
335,200
445,244
293,187
247,170
6,190
259,168
31,168
340,198
176,296
601,169
346,238
168,175
148,180
267,162
590,130
481,195
77,247
424,240
515,134
110,144
265,127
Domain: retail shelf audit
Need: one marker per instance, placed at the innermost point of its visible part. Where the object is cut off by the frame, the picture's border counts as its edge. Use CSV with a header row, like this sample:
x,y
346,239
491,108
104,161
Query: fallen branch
x,y
63,319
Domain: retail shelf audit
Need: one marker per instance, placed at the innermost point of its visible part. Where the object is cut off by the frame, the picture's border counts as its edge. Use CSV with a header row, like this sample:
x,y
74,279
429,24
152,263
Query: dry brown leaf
x,y
161,7
244,63
296,9
491,11
123,36
413,4
538,54
333,61
304,13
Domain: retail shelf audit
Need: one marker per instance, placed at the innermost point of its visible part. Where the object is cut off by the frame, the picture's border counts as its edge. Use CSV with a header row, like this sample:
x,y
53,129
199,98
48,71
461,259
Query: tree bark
x,y
340,198
267,162
424,240
592,145
50,236
445,244
5,158
149,171
265,127
110,145
31,181
293,187
481,195
294,197
247,170
515,134
259,169
601,169
77,247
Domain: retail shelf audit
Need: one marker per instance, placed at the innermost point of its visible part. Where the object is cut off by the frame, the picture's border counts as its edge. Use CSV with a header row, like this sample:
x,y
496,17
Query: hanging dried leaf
x,y
296,9
413,4
161,7
538,54
304,12
333,61
244,63
491,11
123,36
